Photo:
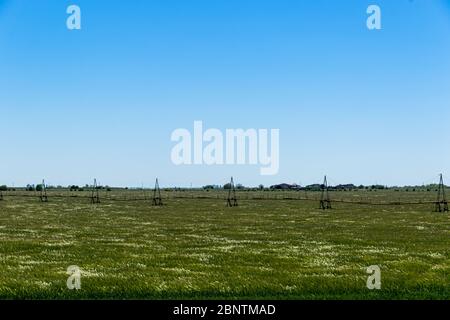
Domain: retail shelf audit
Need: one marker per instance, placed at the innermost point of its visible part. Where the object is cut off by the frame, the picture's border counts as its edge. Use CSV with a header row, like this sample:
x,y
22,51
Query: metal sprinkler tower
x,y
441,204
157,200
325,202
95,198
43,194
232,200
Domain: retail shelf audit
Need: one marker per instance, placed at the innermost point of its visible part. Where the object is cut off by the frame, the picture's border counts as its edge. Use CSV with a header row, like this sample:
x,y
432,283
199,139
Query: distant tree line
x,y
40,187
319,187
227,186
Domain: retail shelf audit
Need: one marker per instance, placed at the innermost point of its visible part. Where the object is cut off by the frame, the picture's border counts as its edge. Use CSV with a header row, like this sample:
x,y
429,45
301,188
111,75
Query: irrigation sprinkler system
x,y
325,203
43,193
95,198
231,199
157,200
439,205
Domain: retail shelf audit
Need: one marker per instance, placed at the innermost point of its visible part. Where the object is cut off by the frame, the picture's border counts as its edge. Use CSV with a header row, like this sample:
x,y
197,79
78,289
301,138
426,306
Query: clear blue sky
x,y
361,106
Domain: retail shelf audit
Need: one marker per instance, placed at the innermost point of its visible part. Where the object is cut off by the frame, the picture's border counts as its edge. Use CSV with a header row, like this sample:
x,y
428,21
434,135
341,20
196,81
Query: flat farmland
x,y
274,245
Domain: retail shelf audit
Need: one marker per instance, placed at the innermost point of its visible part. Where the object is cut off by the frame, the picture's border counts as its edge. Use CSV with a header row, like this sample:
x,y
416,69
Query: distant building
x,y
285,186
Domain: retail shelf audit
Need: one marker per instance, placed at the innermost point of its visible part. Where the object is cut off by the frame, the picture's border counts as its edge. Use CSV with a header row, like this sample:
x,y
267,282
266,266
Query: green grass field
x,y
199,249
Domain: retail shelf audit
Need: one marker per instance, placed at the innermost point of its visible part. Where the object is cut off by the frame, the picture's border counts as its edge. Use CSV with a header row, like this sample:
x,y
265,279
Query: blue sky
x,y
361,106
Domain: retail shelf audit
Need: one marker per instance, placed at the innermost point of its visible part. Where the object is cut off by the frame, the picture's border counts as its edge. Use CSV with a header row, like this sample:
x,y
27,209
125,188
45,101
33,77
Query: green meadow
x,y
272,246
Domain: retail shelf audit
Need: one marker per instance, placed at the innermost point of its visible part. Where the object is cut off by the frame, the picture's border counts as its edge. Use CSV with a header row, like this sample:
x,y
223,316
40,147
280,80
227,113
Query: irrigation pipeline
x,y
60,196
126,199
393,203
